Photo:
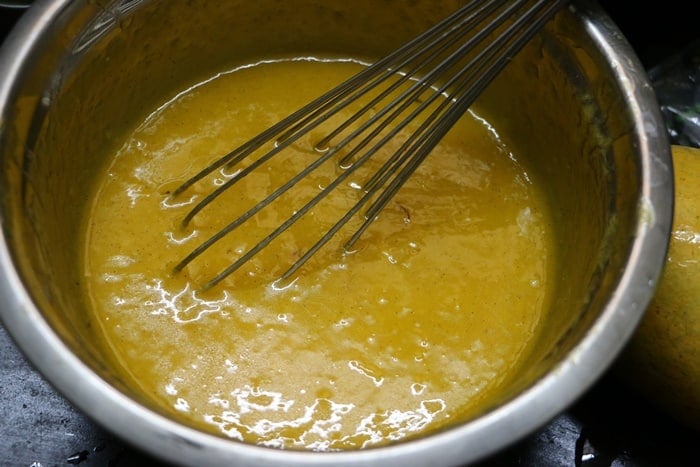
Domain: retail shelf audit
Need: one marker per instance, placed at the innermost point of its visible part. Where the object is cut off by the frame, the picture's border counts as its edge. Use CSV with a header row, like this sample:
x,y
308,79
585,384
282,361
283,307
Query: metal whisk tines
x,y
432,80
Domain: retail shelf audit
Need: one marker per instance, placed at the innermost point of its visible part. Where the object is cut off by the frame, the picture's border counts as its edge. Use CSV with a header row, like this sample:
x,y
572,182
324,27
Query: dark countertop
x,y
609,426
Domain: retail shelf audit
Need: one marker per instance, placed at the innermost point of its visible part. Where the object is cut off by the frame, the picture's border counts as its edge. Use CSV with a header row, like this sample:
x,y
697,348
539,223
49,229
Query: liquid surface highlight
x,y
416,329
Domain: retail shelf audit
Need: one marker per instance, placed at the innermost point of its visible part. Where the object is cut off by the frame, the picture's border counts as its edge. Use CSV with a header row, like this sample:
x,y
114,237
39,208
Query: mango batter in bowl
x,y
417,328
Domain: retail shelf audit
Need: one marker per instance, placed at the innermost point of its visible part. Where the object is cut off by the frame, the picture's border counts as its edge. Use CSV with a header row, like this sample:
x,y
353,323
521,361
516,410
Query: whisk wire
x,y
461,99
424,50
379,67
458,84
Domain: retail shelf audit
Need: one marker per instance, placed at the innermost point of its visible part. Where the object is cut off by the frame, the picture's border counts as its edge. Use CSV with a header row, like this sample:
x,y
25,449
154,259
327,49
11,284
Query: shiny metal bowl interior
x,y
75,73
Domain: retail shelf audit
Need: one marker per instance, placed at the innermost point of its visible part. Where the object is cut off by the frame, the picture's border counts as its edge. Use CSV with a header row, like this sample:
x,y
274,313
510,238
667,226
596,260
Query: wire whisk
x,y
432,79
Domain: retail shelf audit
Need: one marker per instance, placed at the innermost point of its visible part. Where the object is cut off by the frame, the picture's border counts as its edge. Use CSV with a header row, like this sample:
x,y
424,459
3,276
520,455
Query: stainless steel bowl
x,y
73,72
19,4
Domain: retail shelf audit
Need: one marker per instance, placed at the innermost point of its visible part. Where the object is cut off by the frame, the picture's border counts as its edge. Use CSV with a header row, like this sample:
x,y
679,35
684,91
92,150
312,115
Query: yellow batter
x,y
415,329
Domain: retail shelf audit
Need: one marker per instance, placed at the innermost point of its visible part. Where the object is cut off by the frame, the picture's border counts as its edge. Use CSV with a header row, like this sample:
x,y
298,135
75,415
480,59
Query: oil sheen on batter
x,y
416,329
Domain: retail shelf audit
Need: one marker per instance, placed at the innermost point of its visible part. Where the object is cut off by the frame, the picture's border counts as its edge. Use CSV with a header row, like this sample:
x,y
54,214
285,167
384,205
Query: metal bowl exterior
x,y
460,445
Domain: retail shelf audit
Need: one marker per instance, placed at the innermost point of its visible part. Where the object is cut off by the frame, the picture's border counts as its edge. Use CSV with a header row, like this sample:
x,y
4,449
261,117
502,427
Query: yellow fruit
x,y
662,360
